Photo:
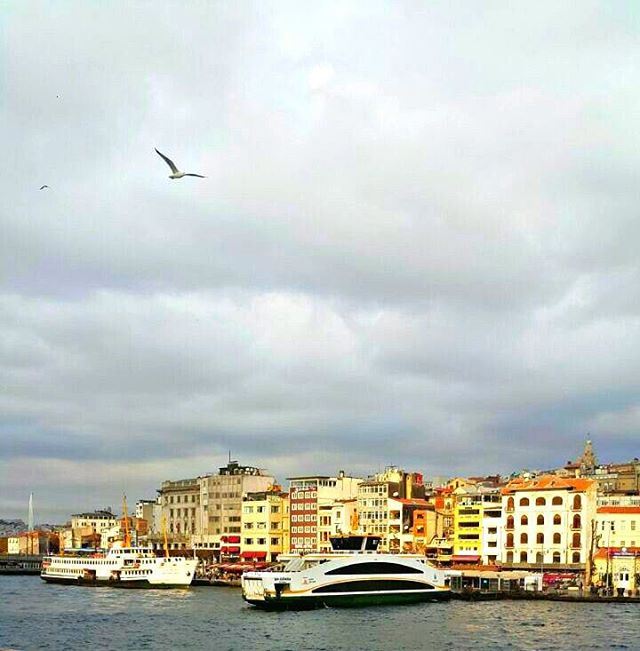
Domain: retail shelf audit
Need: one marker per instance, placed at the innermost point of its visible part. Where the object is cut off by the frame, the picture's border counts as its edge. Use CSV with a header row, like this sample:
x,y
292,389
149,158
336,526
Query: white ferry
x,y
353,574
120,567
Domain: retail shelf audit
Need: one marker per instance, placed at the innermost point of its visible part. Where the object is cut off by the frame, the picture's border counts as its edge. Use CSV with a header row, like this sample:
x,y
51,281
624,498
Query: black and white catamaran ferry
x,y
120,567
353,574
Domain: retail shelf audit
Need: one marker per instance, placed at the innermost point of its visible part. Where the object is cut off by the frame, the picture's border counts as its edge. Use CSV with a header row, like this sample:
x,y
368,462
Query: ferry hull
x,y
349,600
97,583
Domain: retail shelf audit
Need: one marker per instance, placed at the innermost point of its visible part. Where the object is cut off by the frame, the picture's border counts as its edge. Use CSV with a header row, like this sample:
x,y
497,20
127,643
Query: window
x,y
375,567
556,538
524,520
510,522
556,556
577,522
509,540
575,540
539,557
556,501
557,519
575,557
524,539
523,557
577,502
524,501
540,501
540,539
373,584
540,519
510,504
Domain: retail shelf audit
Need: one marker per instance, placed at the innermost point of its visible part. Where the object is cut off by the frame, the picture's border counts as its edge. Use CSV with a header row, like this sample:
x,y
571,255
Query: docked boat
x,y
120,567
354,573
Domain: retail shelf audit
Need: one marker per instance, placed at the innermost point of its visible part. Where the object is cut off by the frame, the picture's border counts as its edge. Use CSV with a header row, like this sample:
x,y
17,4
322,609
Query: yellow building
x,y
618,526
617,570
467,523
264,525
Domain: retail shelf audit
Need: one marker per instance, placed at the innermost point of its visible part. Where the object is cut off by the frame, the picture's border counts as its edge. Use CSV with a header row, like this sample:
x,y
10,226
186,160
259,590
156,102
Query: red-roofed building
x,y
547,522
617,568
618,526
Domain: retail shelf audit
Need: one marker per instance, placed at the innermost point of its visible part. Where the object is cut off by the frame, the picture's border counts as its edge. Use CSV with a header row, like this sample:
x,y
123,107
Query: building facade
x,y
548,521
618,526
264,525
308,497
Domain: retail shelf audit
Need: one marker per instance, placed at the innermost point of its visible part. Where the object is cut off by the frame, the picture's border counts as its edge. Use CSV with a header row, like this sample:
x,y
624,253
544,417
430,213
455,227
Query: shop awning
x,y
464,558
230,550
253,555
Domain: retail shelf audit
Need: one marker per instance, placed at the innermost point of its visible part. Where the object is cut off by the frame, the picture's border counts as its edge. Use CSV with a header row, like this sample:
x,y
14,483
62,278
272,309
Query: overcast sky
x,y
417,242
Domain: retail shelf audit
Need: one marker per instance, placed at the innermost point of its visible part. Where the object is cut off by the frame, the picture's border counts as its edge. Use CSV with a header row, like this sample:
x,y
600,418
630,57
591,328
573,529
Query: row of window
x,y
300,494
576,539
184,499
307,517
576,522
259,509
182,512
261,541
303,506
303,529
538,557
542,501
612,524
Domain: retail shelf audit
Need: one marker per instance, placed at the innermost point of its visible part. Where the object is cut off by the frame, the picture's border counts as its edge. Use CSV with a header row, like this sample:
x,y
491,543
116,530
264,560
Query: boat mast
x,y
30,524
127,537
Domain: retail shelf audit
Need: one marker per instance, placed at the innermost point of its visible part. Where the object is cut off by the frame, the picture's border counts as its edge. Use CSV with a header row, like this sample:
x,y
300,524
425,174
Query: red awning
x,y
233,539
253,555
464,558
230,550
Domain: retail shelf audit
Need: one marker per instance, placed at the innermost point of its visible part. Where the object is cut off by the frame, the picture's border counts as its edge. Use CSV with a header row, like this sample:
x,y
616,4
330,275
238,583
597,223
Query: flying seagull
x,y
45,186
177,174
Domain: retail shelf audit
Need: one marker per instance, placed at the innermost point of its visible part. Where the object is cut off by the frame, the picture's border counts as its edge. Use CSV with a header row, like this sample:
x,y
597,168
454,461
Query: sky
x,y
417,242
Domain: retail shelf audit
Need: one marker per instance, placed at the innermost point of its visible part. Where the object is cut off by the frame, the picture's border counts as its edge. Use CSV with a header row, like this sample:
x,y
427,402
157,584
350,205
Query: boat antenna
x,y
31,524
127,537
164,535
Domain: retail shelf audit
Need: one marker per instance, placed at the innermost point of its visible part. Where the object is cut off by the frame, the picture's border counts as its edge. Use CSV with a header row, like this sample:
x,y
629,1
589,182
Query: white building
x,y
548,521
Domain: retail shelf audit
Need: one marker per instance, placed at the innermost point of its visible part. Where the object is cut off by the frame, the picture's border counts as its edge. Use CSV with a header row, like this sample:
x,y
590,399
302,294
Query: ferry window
x,y
375,584
381,567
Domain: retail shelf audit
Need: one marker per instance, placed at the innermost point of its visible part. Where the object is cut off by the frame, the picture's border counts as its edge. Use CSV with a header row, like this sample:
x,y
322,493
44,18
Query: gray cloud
x,y
416,242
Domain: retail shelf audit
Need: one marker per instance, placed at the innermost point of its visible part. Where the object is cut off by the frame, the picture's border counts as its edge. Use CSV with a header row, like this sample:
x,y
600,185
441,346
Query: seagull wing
x,y
44,186
168,161
198,175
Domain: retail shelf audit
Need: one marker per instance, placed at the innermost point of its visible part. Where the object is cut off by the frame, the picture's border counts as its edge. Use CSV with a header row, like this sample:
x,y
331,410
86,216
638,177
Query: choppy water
x,y
35,615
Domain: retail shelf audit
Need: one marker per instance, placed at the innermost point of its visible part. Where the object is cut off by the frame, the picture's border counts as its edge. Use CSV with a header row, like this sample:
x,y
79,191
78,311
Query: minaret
x,y
30,524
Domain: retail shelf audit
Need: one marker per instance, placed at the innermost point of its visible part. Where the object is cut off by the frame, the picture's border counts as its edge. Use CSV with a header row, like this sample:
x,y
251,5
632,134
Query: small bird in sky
x,y
177,174
42,187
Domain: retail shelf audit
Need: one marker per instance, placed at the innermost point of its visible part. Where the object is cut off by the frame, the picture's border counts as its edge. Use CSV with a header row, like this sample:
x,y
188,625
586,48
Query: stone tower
x,y
588,461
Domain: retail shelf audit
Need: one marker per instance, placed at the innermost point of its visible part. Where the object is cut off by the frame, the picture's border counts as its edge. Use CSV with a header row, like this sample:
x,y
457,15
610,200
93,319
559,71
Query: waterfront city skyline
x,y
416,243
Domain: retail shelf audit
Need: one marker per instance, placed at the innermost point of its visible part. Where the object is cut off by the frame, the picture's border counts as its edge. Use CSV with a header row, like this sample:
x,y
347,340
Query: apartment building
x,y
308,497
264,525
